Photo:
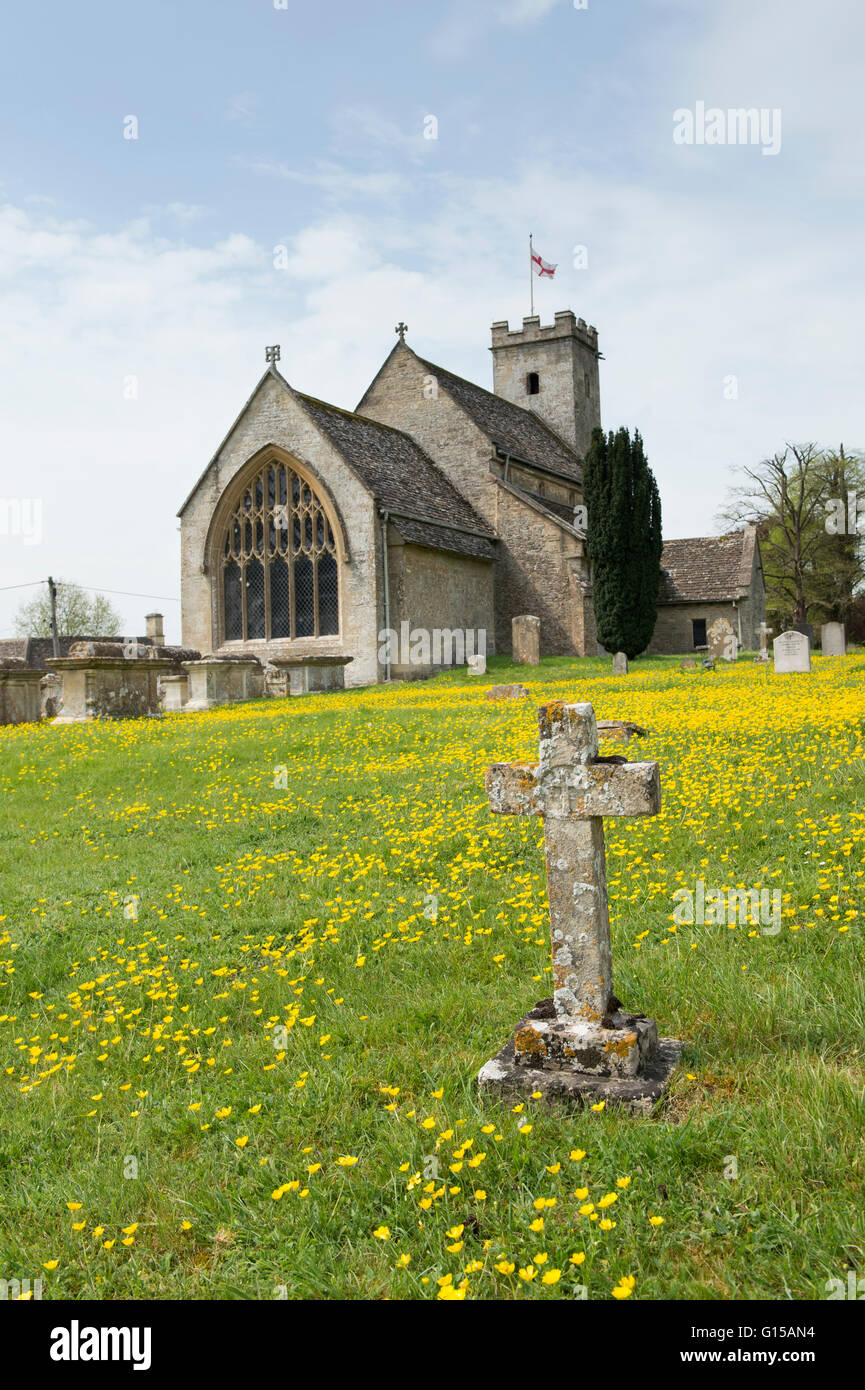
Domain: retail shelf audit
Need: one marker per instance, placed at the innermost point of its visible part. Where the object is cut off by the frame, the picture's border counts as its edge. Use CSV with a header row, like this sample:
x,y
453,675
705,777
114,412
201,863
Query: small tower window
x,y
533,384
587,385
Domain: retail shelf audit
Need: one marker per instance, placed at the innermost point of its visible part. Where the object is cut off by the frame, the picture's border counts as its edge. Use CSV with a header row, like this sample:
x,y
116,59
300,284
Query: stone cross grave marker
x,y
765,633
580,1044
792,652
722,640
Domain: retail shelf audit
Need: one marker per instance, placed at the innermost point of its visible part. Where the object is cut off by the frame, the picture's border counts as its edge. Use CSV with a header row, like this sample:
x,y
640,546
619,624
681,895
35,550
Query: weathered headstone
x,y
722,640
792,652
619,729
580,1045
833,639
507,692
526,640
689,664
477,665
765,633
620,664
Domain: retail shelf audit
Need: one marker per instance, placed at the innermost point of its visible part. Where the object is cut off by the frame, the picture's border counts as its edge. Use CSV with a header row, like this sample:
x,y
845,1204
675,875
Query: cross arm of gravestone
x,y
570,779
573,789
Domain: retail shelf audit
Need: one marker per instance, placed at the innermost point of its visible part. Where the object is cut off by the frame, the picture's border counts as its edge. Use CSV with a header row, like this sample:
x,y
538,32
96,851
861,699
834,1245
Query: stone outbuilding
x,y
705,578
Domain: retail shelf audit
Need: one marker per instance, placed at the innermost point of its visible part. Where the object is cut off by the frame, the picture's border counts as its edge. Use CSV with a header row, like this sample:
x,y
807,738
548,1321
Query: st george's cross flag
x,y
542,267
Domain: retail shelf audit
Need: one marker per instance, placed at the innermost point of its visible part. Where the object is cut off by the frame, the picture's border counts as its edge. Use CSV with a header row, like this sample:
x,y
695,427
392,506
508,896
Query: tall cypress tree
x,y
623,540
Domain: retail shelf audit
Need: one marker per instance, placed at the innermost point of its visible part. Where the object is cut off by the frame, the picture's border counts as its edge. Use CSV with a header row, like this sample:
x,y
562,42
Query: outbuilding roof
x,y
707,569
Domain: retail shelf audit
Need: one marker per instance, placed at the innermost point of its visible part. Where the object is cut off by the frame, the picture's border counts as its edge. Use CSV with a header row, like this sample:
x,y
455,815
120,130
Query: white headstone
x,y
792,652
833,639
620,664
722,640
477,665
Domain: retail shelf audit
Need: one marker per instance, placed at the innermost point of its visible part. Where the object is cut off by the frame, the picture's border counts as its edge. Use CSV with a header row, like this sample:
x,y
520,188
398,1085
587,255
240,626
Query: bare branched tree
x,y
787,496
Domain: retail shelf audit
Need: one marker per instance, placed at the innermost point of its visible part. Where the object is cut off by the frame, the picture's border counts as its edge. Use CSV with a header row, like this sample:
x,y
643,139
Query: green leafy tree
x,y
79,612
623,540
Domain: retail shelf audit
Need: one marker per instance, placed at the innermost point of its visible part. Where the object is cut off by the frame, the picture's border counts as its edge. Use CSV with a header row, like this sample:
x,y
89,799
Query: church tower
x,y
552,371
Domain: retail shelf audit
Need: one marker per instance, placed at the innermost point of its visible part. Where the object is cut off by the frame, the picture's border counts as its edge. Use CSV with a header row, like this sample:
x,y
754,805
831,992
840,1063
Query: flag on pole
x,y
542,267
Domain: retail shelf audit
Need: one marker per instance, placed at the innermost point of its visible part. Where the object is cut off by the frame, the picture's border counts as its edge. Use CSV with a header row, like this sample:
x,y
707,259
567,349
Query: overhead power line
x,y
91,588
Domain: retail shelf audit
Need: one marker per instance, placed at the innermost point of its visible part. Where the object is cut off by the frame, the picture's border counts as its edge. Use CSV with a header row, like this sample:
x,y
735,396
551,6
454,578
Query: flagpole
x,y
531,277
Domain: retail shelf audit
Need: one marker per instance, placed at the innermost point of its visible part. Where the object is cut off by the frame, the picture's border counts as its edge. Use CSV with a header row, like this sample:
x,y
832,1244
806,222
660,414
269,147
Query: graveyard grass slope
x,y
251,961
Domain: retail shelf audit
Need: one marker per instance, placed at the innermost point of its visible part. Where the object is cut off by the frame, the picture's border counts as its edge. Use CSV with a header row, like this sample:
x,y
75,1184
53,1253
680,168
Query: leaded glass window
x,y
280,574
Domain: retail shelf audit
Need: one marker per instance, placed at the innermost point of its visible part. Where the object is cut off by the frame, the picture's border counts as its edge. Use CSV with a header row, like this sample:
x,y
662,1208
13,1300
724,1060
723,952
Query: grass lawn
x,y
251,961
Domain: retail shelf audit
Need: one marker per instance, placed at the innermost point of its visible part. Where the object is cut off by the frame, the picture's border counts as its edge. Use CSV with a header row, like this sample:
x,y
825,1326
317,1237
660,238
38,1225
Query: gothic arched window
x,y
279,564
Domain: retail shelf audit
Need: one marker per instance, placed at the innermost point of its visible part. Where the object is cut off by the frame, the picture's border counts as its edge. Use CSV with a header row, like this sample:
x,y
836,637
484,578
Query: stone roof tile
x,y
403,479
514,430
704,569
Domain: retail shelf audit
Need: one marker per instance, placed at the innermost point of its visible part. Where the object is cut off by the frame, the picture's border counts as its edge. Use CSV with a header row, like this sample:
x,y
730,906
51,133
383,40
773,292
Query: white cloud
x,y
518,12
242,107
338,181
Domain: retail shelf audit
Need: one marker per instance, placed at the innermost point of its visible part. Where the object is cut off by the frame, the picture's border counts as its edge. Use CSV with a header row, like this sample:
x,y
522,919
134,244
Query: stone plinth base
x,y
175,692
307,675
622,1049
626,1064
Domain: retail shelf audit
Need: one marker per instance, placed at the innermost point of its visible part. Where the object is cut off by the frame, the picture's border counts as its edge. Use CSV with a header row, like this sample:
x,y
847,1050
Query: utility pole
x,y
52,590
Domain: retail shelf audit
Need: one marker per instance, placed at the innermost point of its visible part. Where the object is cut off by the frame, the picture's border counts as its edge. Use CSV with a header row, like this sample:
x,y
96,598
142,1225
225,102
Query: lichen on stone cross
x,y
573,789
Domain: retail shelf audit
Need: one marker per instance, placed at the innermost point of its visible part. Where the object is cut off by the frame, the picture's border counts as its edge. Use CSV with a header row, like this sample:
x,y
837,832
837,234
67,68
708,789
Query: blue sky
x,y
151,261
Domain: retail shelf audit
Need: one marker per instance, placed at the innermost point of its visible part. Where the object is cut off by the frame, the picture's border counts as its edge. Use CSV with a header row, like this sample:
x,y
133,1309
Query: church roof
x,y
427,509
512,429
707,569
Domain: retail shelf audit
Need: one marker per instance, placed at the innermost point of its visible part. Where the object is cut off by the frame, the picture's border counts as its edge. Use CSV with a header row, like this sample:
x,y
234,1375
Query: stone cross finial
x,y
401,329
271,354
573,790
765,633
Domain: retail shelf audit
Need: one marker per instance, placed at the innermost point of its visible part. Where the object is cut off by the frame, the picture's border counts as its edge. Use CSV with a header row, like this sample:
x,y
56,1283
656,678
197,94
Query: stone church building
x,y
434,505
